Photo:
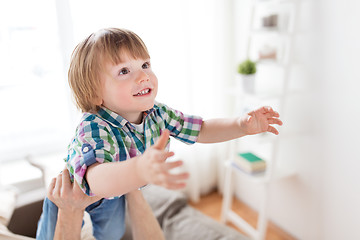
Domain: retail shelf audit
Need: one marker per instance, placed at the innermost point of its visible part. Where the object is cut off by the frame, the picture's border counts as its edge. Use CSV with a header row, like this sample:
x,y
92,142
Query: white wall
x,y
340,78
322,200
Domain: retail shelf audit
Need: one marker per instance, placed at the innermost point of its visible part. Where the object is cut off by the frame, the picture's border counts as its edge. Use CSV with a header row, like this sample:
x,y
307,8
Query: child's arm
x,y
258,121
117,178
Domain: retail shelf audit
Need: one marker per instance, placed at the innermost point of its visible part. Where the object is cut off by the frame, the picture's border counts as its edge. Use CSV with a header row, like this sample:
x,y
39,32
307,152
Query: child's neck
x,y
138,120
132,117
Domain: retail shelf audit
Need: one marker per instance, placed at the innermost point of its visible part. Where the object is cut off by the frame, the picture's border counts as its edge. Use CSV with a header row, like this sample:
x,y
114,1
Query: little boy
x,y
122,140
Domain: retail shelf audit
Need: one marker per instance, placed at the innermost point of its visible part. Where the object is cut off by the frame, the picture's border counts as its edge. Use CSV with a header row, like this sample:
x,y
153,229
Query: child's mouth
x,y
143,92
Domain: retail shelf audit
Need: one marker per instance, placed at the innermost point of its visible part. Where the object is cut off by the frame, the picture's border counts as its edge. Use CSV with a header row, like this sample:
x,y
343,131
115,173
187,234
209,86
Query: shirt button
x,y
86,149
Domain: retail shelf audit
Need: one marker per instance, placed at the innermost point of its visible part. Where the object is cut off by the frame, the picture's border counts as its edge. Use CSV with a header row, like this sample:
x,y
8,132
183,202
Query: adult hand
x,y
68,196
71,202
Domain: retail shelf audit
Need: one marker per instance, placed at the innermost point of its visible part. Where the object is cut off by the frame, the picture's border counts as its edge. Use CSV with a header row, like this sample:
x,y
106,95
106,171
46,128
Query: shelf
x,y
270,31
274,1
274,94
239,93
271,3
269,62
264,177
262,95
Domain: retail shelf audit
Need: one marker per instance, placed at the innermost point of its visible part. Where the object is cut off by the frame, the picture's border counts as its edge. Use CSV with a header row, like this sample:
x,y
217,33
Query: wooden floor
x,y
211,205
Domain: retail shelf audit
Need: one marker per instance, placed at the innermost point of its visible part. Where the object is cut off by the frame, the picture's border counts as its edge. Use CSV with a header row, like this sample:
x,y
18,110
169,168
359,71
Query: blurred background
x,y
306,54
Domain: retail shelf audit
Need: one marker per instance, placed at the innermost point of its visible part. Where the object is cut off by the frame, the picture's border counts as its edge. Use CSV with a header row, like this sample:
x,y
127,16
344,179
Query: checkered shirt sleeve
x,y
185,128
94,142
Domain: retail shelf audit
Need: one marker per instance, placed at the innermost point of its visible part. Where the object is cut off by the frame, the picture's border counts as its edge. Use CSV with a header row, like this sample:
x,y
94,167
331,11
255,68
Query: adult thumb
x,y
163,140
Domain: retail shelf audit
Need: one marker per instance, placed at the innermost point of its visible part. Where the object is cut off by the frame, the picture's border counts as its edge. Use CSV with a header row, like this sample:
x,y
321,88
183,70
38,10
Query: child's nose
x,y
142,77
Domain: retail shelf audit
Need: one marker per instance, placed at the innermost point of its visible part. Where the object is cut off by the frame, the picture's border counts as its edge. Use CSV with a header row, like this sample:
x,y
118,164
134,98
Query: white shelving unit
x,y
284,31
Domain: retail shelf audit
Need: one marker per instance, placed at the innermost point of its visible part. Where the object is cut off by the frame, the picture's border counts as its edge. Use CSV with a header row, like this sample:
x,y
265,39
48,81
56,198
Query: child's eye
x,y
146,65
124,71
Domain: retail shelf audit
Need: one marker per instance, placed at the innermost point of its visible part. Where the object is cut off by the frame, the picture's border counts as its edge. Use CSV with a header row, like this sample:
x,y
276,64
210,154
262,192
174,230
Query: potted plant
x,y
247,71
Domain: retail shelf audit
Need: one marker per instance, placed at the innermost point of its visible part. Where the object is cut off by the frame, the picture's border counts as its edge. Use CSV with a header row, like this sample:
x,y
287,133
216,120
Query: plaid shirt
x,y
108,137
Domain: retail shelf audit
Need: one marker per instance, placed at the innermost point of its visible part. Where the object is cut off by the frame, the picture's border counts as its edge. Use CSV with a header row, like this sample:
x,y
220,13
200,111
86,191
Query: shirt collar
x,y
115,119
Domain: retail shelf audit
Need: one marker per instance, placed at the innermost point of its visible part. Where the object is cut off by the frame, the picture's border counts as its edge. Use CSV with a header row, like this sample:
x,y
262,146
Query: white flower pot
x,y
248,83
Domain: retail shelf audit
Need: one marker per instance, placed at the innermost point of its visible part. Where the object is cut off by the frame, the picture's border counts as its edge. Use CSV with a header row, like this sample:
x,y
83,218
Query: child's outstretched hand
x,y
260,120
154,169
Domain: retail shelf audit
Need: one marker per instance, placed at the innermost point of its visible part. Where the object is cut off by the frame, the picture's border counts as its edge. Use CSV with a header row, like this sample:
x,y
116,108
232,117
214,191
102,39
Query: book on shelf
x,y
249,163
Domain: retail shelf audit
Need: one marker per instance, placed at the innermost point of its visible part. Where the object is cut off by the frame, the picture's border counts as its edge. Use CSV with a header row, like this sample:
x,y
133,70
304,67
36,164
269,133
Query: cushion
x,y
7,205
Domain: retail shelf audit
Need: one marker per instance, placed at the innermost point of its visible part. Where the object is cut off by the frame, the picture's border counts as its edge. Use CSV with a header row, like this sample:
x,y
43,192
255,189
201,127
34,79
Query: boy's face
x,y
129,88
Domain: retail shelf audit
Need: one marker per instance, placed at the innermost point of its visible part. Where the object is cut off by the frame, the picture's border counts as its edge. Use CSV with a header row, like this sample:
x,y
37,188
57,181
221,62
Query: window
x,y
33,97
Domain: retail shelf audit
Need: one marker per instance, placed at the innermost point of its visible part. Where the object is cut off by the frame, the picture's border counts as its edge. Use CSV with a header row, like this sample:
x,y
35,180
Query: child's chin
x,y
148,106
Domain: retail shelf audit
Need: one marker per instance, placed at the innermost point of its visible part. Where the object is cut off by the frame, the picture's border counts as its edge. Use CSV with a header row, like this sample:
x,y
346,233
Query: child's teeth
x,y
143,92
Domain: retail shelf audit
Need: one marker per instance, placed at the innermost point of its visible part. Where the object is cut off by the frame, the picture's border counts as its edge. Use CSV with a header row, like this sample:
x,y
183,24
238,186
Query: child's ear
x,y
98,101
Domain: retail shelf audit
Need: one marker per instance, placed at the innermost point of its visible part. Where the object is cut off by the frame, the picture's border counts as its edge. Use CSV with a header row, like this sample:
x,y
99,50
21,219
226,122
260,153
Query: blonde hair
x,y
89,57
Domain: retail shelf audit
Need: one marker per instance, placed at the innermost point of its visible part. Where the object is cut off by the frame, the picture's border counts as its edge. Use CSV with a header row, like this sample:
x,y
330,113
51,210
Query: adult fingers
x,y
66,183
163,140
58,185
87,199
51,188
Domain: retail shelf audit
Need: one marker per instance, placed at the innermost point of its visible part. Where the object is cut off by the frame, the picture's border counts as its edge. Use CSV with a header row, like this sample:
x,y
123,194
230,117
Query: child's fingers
x,y
269,112
272,115
173,182
275,121
178,177
163,140
170,165
169,154
267,109
262,110
175,186
162,156
272,130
